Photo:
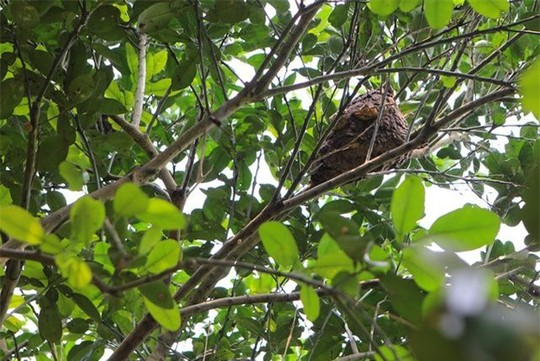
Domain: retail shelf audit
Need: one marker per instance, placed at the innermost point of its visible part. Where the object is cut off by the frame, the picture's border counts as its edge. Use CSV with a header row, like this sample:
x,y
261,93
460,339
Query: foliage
x,y
154,184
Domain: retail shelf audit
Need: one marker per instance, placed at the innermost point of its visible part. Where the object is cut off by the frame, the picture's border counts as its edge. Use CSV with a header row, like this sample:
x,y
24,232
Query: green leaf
x,y
228,11
338,16
150,238
383,7
184,75
77,271
87,216
155,63
438,12
50,323
155,17
111,106
529,87
279,243
465,229
163,256
158,88
81,88
17,223
162,214
72,175
427,274
310,301
448,81
5,196
490,8
160,304
408,5
130,200
331,259
407,205
86,306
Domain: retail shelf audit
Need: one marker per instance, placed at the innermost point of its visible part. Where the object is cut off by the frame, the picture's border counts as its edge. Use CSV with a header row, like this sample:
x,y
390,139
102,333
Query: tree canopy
x,y
154,188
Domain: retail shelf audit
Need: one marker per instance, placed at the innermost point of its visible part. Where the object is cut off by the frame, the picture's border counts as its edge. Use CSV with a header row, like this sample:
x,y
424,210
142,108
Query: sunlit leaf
x,y
490,8
150,238
163,256
279,243
17,223
407,205
72,175
310,301
529,86
86,216
162,214
130,200
408,5
465,229
77,272
438,12
427,274
383,7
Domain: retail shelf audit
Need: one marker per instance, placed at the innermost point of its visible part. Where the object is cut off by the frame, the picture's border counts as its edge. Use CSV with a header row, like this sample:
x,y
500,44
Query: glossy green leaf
x,y
86,216
383,7
163,214
72,175
438,12
150,238
279,243
490,8
408,5
427,274
163,256
130,200
77,271
407,205
310,301
529,87
465,229
17,223
160,304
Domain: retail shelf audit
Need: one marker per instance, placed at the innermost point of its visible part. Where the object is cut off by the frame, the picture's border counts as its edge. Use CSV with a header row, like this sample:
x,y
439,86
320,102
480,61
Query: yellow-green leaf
x,y
130,200
150,238
383,7
77,271
310,300
163,256
72,175
465,229
529,87
408,5
17,223
490,8
438,12
407,205
86,216
163,215
279,243
426,272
